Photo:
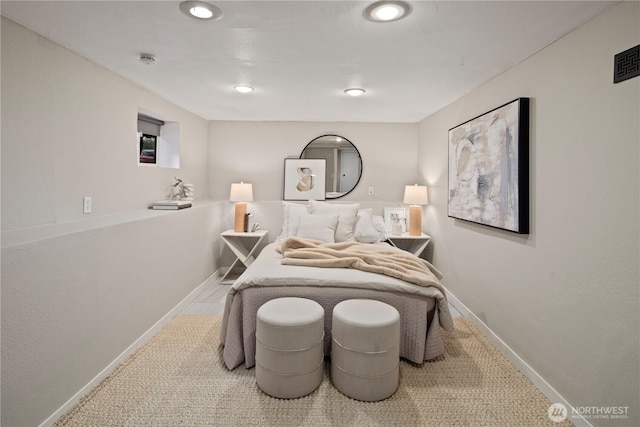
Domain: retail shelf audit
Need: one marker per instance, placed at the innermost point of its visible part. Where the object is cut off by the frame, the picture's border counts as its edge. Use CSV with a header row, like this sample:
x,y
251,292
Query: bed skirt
x,y
420,337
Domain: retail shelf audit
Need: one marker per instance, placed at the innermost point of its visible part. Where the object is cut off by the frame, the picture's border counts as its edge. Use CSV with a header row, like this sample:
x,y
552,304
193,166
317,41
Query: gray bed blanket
x,y
423,309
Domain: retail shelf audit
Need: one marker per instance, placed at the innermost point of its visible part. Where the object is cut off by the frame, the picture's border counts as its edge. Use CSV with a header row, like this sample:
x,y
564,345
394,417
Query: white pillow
x,y
347,216
378,223
318,227
364,230
292,213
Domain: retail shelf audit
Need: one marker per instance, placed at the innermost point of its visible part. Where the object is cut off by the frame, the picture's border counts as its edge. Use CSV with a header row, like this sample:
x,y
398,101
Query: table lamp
x,y
415,195
241,193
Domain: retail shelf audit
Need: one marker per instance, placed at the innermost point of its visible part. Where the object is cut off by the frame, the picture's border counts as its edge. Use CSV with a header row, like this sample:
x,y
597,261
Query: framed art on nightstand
x,y
392,215
489,168
304,179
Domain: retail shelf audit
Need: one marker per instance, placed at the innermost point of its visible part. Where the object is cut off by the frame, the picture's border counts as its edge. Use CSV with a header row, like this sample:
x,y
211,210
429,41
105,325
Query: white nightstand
x,y
414,244
245,246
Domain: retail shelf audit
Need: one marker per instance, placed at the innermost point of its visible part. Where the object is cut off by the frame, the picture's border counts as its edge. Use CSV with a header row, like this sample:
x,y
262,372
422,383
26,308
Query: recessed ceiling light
x,y
386,11
243,88
354,91
200,10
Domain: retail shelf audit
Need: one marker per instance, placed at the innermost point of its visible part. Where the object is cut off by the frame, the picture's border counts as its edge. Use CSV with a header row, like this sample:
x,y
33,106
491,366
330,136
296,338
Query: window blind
x,y
149,125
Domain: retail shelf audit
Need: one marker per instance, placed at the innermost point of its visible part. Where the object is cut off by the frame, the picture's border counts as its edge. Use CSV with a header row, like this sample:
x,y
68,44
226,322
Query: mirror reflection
x,y
344,164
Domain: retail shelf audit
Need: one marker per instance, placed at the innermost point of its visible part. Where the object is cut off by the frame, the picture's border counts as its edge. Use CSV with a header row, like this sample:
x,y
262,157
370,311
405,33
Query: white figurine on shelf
x,y
180,191
188,192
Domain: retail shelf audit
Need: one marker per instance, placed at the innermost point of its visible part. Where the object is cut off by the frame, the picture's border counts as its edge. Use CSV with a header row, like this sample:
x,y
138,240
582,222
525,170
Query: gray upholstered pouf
x,y
289,347
365,349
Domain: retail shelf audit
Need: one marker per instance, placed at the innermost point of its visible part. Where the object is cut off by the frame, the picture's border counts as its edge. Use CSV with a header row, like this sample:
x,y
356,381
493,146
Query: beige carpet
x,y
178,379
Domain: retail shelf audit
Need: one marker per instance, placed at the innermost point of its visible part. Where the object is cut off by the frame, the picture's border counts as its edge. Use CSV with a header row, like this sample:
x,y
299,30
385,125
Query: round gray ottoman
x,y
289,347
365,349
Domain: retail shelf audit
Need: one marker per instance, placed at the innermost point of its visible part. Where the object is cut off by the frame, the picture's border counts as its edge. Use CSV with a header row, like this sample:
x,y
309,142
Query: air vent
x,y
626,64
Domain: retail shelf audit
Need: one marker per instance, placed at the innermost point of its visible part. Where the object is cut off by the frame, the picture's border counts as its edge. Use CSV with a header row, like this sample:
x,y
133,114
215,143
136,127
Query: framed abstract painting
x,y
489,168
304,179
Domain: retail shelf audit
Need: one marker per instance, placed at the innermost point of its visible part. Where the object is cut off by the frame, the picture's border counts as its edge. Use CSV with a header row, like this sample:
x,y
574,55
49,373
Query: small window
x,y
148,145
158,141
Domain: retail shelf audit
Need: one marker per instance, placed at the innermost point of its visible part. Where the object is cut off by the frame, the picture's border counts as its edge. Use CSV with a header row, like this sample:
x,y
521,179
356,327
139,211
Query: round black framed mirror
x,y
344,164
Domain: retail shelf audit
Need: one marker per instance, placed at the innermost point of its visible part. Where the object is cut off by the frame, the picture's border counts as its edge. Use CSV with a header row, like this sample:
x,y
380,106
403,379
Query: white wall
x,y
69,130
255,151
78,290
565,298
72,304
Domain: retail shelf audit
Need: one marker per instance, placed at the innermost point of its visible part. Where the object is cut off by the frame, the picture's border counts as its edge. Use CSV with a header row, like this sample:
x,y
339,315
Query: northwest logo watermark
x,y
558,412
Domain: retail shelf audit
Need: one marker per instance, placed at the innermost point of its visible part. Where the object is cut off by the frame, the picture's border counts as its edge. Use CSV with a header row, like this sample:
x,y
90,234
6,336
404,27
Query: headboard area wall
x,y
255,152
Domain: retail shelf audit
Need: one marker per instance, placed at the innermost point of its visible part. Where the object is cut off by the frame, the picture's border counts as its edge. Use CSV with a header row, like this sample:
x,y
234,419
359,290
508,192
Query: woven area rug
x,y
178,379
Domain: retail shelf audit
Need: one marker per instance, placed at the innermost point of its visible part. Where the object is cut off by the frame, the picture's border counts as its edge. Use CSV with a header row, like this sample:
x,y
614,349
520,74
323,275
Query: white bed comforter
x,y
268,278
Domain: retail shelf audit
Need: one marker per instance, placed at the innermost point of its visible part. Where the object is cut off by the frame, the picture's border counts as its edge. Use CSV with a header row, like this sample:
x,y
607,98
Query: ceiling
x,y
301,55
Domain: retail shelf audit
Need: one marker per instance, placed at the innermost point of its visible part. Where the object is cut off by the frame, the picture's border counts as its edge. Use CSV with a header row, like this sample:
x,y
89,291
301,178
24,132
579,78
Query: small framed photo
x,y
392,215
304,179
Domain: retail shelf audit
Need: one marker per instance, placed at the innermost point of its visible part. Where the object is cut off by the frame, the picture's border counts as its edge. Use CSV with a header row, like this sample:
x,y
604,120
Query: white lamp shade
x,y
415,195
241,192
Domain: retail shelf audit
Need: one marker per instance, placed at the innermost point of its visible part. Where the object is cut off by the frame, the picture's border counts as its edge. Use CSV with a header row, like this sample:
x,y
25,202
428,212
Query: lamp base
x,y
241,210
415,220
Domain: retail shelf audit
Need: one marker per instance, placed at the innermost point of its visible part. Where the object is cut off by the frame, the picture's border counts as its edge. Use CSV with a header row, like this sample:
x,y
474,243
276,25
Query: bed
x,y
423,309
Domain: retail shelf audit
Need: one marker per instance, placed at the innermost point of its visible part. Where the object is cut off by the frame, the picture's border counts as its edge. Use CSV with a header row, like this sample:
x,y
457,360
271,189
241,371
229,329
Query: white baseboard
x,y
538,381
179,308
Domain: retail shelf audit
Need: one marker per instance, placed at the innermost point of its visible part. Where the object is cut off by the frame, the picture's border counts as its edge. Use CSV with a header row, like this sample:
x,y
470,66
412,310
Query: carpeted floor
x,y
178,379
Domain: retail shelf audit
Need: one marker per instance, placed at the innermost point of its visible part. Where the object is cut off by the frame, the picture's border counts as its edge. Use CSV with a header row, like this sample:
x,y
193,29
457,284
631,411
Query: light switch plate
x,y
86,205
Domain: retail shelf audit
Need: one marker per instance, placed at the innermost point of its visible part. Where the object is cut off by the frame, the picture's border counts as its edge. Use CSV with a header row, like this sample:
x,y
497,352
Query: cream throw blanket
x,y
380,259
